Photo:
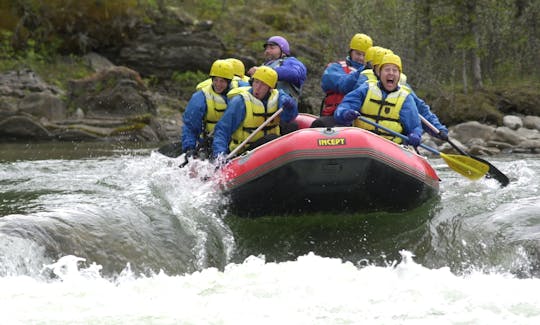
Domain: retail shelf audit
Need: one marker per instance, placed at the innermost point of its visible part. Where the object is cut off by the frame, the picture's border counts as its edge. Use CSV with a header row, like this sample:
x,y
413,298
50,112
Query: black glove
x,y
443,135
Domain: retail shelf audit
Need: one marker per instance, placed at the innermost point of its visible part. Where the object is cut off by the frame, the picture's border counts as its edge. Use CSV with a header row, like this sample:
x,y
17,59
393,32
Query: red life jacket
x,y
333,99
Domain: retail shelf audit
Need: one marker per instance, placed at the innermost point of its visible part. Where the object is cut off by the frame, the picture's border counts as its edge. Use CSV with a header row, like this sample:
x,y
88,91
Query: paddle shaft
x,y
493,171
265,123
394,133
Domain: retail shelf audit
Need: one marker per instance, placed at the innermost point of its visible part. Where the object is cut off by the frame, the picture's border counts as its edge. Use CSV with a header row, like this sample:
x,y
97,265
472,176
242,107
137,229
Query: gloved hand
x,y
350,115
288,103
443,135
414,139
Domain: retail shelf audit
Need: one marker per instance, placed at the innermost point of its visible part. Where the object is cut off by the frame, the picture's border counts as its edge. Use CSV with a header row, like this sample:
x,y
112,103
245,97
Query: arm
x,y
290,107
353,100
336,80
227,125
292,71
409,117
193,118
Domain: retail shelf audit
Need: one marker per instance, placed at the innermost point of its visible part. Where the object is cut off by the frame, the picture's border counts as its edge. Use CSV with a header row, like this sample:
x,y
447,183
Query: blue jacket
x,y
355,99
234,116
336,80
290,70
193,118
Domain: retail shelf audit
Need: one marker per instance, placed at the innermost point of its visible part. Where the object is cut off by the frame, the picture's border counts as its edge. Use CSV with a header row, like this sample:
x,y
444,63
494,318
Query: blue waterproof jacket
x,y
234,116
355,99
290,70
336,80
193,118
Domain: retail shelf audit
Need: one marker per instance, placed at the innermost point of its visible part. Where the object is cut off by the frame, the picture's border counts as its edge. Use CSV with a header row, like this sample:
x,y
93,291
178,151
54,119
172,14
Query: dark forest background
x,y
447,46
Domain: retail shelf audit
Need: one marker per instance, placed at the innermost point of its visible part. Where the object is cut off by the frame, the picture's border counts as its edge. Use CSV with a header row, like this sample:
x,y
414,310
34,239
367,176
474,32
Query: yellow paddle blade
x,y
466,166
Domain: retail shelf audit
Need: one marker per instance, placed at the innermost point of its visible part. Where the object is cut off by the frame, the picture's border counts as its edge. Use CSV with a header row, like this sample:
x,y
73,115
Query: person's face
x,y
358,56
260,89
272,52
219,84
389,76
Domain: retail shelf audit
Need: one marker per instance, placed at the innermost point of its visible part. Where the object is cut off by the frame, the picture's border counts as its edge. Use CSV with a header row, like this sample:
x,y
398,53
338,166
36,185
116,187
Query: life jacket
x,y
215,108
256,114
384,112
287,87
370,74
332,98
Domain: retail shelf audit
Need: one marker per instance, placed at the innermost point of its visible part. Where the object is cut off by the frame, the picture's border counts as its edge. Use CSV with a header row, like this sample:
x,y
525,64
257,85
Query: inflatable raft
x,y
327,169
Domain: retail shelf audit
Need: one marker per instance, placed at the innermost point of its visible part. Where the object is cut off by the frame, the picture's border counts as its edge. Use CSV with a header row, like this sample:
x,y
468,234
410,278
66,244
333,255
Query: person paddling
x,y
372,75
384,102
204,110
248,108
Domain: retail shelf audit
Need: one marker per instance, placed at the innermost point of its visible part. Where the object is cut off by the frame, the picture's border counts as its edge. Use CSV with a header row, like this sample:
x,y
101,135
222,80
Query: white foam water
x,y
310,290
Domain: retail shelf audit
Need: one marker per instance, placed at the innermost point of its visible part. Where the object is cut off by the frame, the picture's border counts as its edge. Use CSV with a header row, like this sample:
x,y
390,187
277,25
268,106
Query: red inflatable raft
x,y
328,169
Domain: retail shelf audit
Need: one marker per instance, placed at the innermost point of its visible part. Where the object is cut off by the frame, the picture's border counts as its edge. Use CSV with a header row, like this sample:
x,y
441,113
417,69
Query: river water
x,y
102,234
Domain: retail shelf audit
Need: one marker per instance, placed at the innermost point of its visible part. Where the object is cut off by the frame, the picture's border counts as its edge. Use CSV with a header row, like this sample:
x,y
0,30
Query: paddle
x,y
464,165
493,172
252,134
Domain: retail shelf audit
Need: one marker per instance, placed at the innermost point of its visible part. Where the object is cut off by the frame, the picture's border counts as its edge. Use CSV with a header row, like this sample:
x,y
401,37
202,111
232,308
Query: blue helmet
x,y
279,41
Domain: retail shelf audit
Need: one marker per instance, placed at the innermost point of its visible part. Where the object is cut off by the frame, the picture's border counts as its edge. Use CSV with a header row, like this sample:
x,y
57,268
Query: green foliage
x,y
188,77
187,81
71,26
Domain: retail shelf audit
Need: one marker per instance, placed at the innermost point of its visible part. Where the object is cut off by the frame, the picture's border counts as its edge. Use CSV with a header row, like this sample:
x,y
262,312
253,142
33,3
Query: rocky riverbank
x,y
115,105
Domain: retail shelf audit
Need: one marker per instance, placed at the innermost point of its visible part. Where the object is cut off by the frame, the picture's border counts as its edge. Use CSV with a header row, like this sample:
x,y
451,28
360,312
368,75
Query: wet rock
x,y
505,134
43,104
23,127
531,122
512,121
117,91
465,131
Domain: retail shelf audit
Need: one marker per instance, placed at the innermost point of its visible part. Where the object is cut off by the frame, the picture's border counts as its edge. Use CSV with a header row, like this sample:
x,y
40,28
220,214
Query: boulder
x,y
116,91
465,131
531,122
505,134
533,145
43,104
512,121
160,53
23,127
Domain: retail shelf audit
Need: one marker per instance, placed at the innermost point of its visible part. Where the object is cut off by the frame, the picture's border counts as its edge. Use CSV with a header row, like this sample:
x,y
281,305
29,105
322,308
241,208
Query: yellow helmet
x,y
223,69
238,67
379,54
360,42
267,75
370,53
391,58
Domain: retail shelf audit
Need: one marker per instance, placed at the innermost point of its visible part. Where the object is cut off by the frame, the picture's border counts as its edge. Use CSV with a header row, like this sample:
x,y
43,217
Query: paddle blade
x,y
466,166
494,172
